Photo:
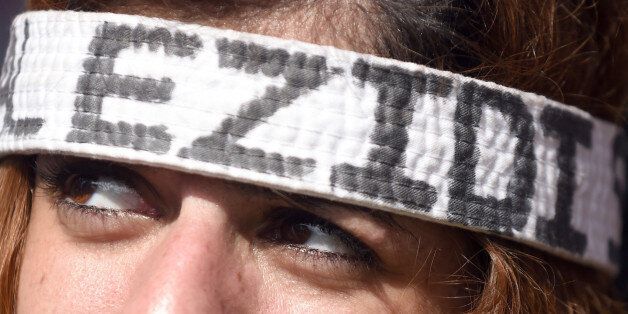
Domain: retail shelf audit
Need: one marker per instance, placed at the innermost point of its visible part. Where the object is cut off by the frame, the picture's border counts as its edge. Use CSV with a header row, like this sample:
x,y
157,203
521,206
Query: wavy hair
x,y
574,51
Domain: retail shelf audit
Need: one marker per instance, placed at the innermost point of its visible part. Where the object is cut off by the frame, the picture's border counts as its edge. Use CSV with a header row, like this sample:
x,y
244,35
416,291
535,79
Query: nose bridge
x,y
193,267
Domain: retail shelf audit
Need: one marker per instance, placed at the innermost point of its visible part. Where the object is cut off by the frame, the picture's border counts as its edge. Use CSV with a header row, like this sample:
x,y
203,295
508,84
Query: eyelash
x,y
55,173
363,256
92,221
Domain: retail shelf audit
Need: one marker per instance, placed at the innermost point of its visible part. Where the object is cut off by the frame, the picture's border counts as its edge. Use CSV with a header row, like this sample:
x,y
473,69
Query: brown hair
x,y
521,280
572,51
15,204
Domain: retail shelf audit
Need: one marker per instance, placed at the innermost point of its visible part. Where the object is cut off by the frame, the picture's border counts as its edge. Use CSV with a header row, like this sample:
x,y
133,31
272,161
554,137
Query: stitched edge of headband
x,y
316,120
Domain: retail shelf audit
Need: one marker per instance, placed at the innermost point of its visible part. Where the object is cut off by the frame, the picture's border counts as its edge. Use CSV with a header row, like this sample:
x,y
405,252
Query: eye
x,y
96,187
304,231
98,201
104,193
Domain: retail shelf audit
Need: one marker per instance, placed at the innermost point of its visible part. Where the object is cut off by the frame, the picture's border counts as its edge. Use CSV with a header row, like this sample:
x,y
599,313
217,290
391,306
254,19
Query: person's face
x,y
112,238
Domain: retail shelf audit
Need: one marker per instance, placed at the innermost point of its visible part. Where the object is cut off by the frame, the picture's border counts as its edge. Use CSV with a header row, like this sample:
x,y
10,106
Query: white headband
x,y
316,120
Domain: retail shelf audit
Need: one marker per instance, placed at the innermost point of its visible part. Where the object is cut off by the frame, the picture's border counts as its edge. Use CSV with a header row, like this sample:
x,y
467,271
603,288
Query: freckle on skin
x,y
42,279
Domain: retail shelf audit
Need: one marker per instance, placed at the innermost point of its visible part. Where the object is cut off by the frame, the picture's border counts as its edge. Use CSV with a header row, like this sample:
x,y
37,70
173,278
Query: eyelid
x,y
329,209
90,224
376,229
322,205
287,215
52,171
303,261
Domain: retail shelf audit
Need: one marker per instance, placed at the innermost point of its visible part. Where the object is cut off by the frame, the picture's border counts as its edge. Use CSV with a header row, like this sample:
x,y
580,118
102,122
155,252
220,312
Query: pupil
x,y
296,233
80,189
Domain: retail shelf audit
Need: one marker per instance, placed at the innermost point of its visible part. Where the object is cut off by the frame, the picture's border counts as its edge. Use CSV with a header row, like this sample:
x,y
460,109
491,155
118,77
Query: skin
x,y
206,253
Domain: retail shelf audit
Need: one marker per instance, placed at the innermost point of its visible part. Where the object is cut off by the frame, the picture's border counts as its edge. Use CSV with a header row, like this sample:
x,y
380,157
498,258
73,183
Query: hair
x,y
15,204
574,51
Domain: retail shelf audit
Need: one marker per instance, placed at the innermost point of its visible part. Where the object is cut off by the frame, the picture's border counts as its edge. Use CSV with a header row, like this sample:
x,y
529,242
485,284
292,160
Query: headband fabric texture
x,y
319,121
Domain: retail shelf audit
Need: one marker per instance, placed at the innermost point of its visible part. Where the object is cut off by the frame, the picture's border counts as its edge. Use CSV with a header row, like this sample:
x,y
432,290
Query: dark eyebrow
x,y
306,201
